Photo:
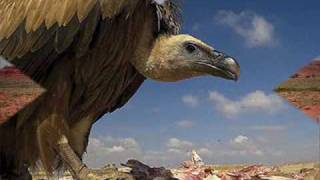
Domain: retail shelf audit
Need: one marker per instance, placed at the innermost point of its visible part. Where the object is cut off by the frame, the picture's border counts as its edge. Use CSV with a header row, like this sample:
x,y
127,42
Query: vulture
x,y
90,56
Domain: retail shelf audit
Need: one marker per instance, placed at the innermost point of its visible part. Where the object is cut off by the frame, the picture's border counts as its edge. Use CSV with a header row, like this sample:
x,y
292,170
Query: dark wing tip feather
x,y
169,17
176,15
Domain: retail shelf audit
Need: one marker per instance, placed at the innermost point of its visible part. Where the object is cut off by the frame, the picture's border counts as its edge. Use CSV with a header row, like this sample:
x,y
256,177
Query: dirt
x,y
303,90
298,171
196,169
313,69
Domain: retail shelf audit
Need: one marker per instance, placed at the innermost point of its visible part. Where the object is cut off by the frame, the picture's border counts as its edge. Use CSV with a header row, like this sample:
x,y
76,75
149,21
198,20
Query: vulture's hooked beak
x,y
220,65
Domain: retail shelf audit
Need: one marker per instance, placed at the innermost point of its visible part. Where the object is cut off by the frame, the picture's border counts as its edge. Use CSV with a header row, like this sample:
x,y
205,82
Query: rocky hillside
x,y
303,90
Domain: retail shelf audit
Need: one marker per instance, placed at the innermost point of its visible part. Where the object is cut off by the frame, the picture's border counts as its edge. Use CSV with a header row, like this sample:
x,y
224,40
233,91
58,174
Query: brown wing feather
x,y
46,45
28,24
37,12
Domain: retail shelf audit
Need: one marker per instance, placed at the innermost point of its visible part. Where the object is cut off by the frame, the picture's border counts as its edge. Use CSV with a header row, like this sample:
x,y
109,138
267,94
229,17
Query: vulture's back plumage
x,y
79,51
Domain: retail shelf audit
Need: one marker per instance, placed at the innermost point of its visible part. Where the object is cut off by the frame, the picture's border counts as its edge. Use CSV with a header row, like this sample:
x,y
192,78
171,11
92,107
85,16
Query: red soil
x,y
313,112
312,70
301,91
306,101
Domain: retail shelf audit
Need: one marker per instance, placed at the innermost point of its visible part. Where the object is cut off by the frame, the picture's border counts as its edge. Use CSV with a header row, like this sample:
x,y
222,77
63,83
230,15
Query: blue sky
x,y
226,122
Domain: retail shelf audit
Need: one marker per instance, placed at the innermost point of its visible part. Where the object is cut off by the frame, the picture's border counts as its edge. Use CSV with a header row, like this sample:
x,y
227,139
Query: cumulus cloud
x,y
175,143
116,150
105,150
255,102
191,101
204,151
255,29
178,149
242,145
186,124
241,139
238,149
3,63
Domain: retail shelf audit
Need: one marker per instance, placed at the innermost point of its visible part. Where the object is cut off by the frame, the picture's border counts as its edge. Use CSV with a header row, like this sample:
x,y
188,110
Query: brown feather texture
x,y
80,52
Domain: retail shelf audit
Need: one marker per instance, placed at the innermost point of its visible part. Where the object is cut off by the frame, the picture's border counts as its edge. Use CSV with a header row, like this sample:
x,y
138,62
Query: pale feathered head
x,y
180,57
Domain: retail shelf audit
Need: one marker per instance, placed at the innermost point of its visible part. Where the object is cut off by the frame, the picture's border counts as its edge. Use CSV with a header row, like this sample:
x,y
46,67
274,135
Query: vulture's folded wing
x,y
35,35
28,25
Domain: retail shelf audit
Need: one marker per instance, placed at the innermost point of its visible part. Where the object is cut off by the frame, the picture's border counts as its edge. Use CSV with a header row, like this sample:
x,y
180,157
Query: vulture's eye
x,y
191,48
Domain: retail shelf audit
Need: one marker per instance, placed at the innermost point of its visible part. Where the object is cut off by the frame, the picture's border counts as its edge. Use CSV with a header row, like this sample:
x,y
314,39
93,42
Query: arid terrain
x,y
187,171
303,90
16,91
196,169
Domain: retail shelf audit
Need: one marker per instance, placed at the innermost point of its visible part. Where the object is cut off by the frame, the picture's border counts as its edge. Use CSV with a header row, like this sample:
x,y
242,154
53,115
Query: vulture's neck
x,y
152,62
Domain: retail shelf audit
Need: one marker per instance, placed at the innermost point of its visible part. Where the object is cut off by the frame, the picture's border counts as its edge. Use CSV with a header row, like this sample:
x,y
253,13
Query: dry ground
x,y
303,90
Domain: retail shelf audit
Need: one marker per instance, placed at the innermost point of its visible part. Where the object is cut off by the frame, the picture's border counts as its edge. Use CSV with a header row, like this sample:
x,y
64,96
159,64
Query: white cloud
x,y
255,102
111,150
241,139
258,152
175,143
242,145
186,124
205,151
106,150
3,63
254,28
116,149
191,101
174,151
238,150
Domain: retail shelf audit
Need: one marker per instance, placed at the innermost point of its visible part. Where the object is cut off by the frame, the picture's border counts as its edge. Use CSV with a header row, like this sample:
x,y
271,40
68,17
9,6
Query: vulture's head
x,y
180,57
